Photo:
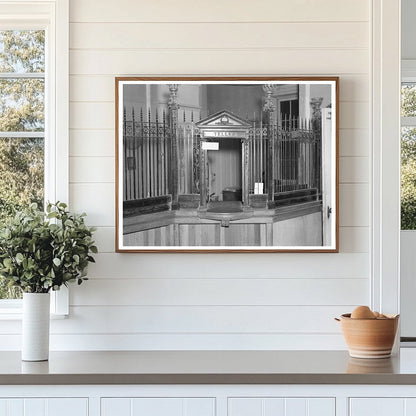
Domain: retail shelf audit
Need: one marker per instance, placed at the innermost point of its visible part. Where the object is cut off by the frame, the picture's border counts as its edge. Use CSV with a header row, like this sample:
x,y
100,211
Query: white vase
x,y
35,326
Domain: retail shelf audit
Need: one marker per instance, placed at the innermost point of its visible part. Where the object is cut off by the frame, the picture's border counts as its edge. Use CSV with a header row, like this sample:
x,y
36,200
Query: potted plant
x,y
40,252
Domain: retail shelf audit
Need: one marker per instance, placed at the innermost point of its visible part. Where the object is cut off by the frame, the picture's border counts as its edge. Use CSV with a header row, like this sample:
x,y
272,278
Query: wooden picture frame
x,y
227,164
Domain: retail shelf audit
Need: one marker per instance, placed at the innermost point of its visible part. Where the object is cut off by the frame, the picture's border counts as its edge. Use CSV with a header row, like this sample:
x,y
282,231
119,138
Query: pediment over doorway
x,y
223,119
223,125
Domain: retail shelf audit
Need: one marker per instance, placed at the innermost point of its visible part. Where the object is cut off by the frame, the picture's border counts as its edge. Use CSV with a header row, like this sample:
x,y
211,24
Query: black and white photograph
x,y
227,164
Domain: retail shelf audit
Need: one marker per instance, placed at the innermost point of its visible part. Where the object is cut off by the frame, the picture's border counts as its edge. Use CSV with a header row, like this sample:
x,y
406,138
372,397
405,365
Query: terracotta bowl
x,y
369,338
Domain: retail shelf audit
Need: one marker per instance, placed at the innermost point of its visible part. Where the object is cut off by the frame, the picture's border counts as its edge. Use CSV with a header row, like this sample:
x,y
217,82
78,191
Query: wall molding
x,y
385,99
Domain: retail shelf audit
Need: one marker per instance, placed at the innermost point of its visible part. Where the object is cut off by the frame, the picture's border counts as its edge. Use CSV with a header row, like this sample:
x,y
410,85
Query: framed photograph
x,y
235,164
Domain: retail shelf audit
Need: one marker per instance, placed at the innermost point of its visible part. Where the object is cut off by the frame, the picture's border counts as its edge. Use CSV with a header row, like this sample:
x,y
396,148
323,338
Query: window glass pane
x,y
21,173
21,182
408,178
21,109
22,104
22,51
408,106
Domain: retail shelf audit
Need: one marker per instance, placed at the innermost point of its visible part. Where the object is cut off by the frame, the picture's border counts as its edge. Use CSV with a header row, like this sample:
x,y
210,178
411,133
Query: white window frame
x,y
385,150
53,17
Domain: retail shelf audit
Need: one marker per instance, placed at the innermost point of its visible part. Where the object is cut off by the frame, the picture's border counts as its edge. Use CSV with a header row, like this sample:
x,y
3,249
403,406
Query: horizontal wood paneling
x,y
100,115
92,115
267,265
354,87
353,115
194,320
146,342
219,62
92,88
354,142
104,238
220,291
100,88
94,143
89,169
96,199
92,197
200,319
299,37
354,200
354,169
218,11
352,239
99,142
218,35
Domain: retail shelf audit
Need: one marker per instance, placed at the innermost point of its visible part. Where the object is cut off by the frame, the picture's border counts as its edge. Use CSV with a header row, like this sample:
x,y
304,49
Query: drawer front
x,y
281,406
158,406
376,406
44,407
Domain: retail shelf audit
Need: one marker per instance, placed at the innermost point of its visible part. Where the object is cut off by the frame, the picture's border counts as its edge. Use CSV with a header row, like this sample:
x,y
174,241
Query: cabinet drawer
x,y
44,407
281,406
160,406
376,406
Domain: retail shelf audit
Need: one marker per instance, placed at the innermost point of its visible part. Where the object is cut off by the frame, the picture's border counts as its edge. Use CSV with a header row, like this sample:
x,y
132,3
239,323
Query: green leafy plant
x,y
43,251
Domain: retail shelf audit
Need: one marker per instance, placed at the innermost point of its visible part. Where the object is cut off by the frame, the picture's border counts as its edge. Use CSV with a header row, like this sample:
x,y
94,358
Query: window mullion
x,y
22,75
408,121
22,134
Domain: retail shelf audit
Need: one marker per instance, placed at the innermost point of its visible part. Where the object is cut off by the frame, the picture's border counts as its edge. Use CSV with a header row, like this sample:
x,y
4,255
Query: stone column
x,y
317,134
245,176
202,176
173,122
269,108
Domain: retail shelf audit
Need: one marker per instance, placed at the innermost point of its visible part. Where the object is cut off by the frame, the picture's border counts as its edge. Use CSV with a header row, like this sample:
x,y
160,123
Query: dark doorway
x,y
225,171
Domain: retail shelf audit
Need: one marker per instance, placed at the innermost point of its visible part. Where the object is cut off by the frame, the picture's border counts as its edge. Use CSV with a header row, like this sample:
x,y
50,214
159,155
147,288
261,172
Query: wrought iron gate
x,y
149,165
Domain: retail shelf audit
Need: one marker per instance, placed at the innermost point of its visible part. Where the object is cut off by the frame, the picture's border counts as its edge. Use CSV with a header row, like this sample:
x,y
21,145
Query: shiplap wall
x,y
214,301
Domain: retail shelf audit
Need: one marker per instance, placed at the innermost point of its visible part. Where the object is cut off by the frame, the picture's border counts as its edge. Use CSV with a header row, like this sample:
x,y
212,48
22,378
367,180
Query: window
x,y
22,124
408,156
289,114
33,112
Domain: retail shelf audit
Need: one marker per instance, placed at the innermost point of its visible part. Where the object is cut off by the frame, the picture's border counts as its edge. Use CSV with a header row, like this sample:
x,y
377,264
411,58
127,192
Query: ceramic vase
x,y
35,326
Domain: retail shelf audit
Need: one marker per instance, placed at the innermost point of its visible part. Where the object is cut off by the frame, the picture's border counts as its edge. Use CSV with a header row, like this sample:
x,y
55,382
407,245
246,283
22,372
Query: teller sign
x,y
210,146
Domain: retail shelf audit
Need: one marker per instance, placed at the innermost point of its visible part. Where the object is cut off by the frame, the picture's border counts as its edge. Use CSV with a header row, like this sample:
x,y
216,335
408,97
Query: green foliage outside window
x,y
408,160
21,110
408,179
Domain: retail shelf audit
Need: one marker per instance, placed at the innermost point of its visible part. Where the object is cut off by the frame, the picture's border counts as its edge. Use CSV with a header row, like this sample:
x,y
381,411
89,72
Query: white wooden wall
x,y
214,301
